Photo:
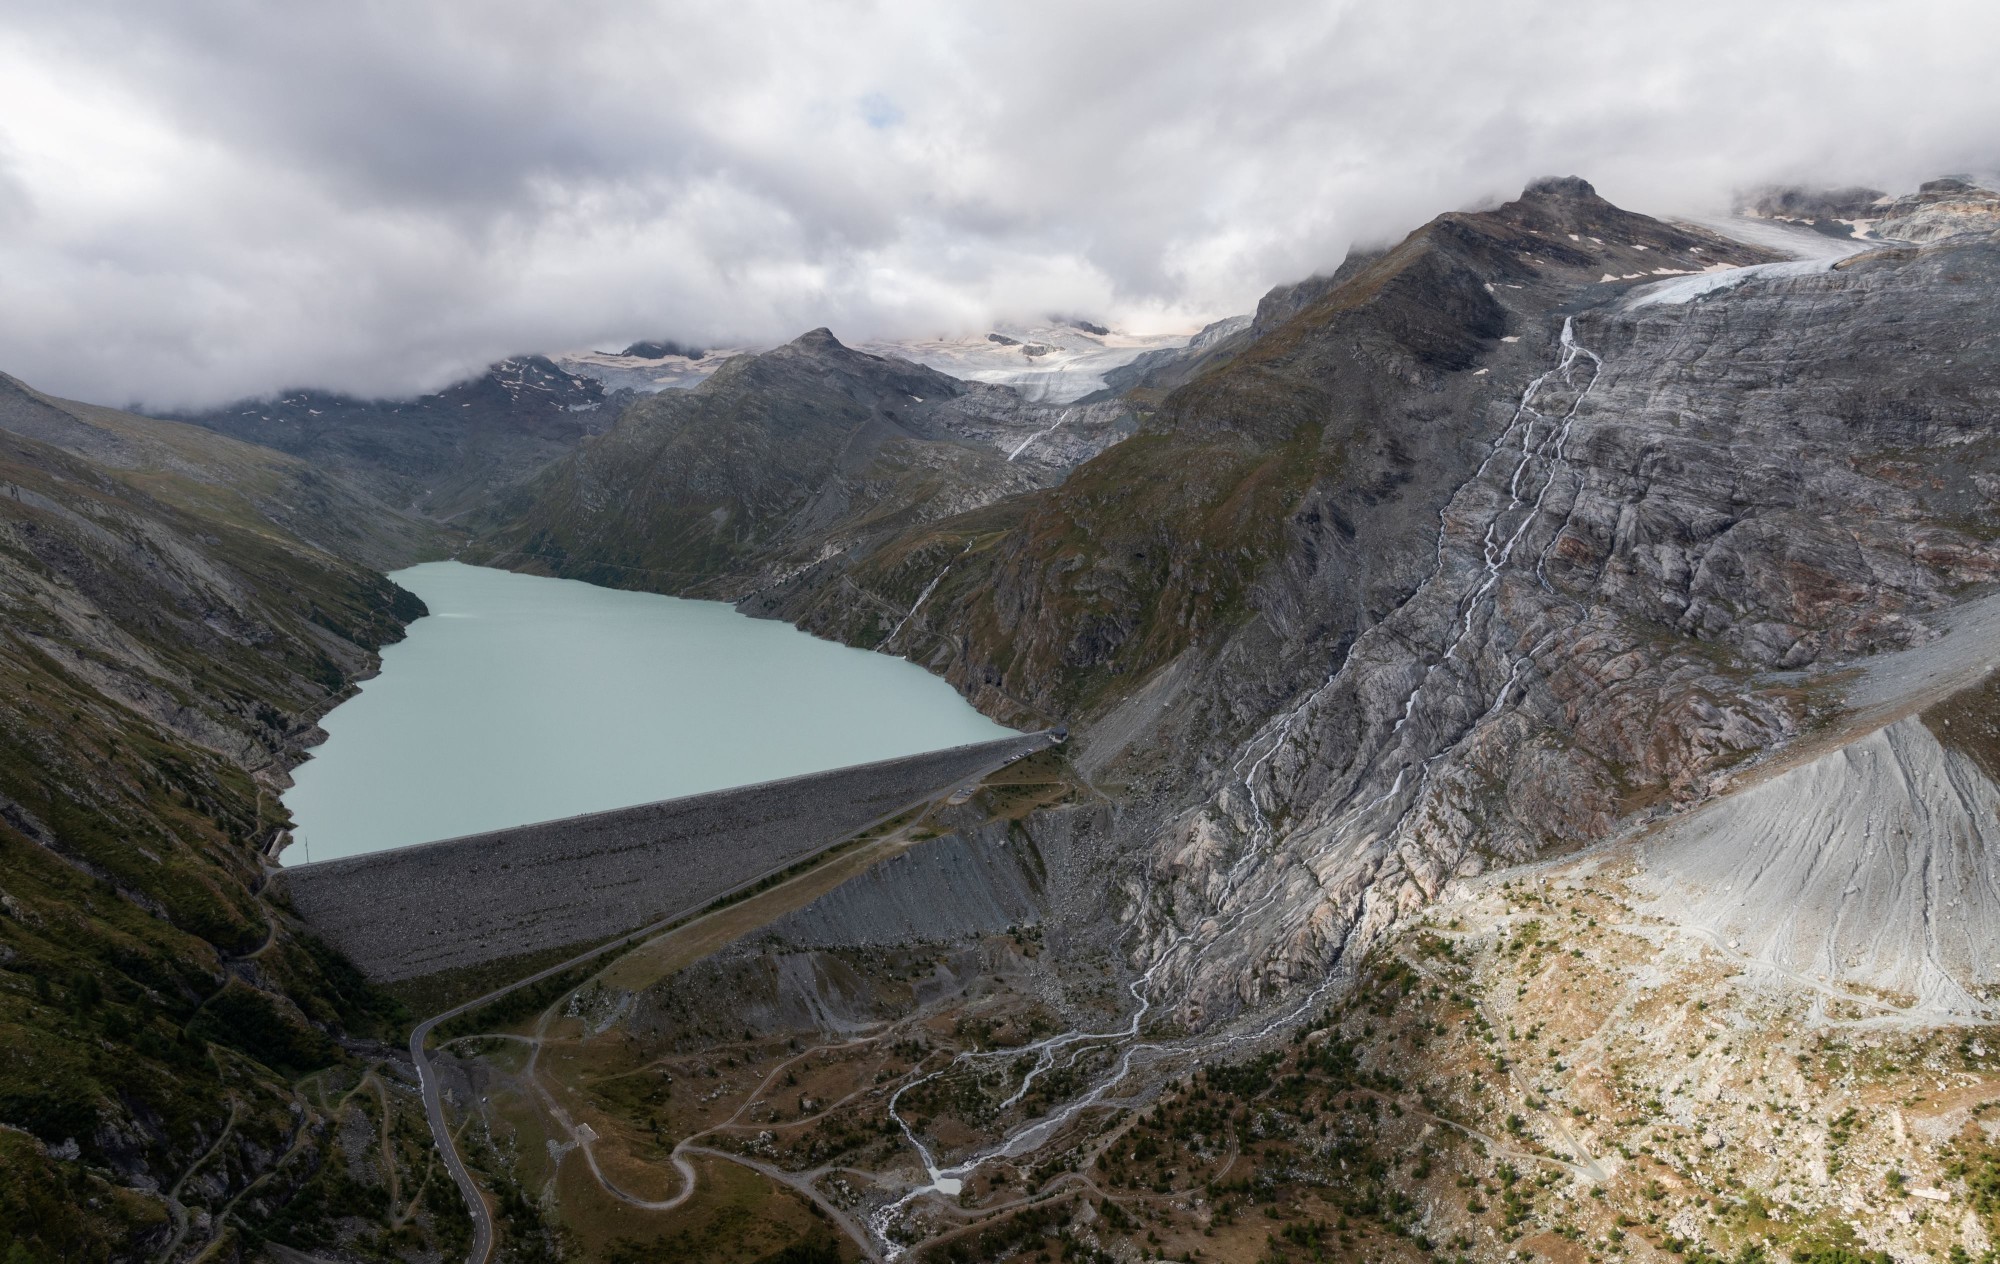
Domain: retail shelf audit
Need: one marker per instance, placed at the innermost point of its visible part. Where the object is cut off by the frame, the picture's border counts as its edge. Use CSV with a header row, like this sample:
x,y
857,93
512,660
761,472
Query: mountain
x,y
1529,787
1056,362
648,366
437,455
1349,418
1939,208
794,459
180,609
1830,211
1529,791
1464,499
198,471
1473,555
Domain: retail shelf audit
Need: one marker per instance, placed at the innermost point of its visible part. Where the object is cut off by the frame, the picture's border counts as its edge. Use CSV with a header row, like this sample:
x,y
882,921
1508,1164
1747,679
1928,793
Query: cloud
x,y
208,199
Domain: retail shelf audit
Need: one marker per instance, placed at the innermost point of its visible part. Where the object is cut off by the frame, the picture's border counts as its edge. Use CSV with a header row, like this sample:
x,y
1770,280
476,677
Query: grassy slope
x,y
163,640
1151,547
222,479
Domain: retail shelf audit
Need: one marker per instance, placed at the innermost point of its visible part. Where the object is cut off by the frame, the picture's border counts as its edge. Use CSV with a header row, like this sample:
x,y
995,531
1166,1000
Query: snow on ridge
x,y
1049,364
1810,252
619,372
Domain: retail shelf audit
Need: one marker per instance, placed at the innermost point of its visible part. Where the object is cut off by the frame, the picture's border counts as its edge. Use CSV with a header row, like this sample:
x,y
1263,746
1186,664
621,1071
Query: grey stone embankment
x,y
446,905
963,884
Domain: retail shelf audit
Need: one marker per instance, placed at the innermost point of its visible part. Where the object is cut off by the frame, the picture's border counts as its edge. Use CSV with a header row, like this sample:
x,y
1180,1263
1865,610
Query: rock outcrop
x,y
1937,210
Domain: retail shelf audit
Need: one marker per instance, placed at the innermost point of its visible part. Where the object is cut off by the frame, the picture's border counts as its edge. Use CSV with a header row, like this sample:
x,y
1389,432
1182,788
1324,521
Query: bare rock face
x,y
1939,209
1465,555
1686,499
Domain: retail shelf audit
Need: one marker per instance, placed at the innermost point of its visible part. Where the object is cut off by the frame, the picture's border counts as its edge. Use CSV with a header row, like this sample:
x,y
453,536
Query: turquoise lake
x,y
522,699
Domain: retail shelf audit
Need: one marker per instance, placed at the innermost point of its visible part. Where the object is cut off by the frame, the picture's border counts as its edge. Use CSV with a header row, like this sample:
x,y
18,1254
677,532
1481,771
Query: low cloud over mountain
x,y
203,201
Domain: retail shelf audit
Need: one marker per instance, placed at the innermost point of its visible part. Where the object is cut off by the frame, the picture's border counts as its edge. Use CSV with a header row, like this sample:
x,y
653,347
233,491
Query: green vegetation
x,y
155,1014
1143,551
66,1212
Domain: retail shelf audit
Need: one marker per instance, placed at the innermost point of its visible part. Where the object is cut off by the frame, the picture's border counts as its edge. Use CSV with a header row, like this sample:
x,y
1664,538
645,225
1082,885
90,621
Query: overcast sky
x,y
206,199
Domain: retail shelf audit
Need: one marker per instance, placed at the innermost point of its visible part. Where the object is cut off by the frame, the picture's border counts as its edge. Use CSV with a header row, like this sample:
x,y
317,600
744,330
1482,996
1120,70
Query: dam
x,y
421,910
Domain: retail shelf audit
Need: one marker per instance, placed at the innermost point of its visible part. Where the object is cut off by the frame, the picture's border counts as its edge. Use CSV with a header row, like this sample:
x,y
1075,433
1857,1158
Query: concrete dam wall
x,y
442,906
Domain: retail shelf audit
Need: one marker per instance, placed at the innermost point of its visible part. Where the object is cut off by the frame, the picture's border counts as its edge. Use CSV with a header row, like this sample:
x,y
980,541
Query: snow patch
x,y
1067,363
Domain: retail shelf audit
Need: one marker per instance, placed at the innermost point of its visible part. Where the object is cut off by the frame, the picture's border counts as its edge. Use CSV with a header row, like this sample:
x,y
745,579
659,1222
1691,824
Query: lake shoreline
x,y
524,698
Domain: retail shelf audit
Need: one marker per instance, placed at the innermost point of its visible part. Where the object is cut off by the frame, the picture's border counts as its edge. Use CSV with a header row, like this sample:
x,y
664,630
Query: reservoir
x,y
522,699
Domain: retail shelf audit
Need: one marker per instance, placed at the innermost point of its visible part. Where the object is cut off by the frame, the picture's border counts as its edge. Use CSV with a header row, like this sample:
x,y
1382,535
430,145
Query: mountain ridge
x,y
780,461
438,455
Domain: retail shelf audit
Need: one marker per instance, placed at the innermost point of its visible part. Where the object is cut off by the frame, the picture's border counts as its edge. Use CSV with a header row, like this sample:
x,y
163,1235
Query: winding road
x,y
427,1074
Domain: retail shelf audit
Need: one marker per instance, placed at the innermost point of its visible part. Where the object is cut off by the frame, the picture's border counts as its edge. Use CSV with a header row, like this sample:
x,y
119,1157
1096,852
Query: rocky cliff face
x,y
1684,500
1937,210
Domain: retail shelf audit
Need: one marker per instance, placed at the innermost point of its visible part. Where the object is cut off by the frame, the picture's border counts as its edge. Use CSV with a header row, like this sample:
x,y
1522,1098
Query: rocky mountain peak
x,y
1560,187
1561,225
818,361
820,339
